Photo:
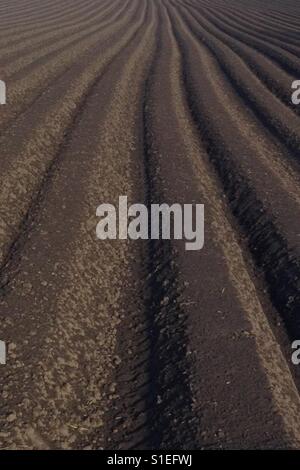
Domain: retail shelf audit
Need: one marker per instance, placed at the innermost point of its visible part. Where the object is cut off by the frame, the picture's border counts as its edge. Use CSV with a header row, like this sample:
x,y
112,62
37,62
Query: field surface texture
x,y
122,344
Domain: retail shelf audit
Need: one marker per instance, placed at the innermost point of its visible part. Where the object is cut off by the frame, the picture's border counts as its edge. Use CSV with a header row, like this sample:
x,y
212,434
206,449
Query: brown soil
x,y
142,344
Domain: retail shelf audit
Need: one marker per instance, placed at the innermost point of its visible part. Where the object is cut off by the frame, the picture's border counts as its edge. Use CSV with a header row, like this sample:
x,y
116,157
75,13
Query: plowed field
x,y
123,344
